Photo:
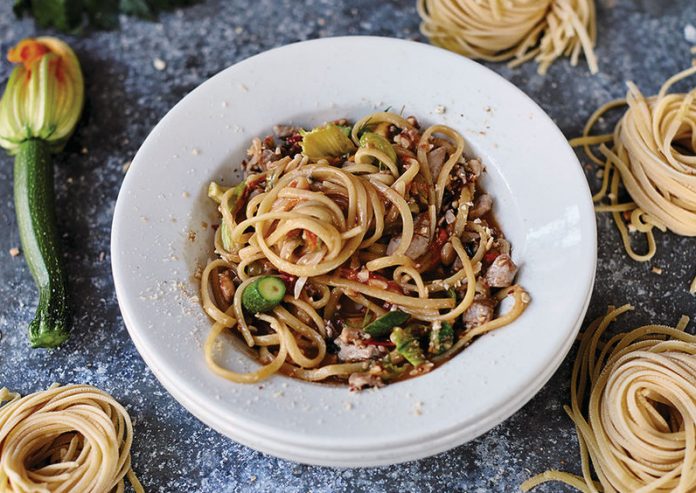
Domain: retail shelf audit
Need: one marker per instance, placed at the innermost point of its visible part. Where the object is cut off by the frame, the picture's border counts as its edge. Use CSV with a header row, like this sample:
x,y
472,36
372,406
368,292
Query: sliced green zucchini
x,y
384,324
441,339
326,142
264,294
372,140
407,346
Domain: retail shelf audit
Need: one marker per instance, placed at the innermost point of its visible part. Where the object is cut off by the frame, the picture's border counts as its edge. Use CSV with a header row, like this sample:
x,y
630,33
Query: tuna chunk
x,y
479,313
353,352
419,243
359,381
501,272
483,204
476,167
226,286
436,158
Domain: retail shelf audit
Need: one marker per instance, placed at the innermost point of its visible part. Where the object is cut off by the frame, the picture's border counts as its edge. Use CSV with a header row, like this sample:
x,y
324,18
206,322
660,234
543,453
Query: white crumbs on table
x,y
159,64
690,33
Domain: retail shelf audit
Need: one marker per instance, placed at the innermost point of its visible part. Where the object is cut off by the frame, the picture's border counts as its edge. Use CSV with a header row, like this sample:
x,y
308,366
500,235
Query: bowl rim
x,y
250,433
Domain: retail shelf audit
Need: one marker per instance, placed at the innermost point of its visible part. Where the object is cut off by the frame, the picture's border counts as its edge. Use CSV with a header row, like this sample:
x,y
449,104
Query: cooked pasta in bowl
x,y
348,267
358,252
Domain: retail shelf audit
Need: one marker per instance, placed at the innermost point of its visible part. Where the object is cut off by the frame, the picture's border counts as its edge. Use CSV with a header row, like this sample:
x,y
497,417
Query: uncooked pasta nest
x,y
515,30
73,438
652,152
638,428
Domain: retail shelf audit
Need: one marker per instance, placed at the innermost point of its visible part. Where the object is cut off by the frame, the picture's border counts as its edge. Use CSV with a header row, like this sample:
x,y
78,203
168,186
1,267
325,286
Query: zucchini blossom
x,y
39,110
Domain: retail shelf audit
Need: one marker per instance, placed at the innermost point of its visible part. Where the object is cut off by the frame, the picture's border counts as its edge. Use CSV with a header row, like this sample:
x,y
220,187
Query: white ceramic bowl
x,y
541,200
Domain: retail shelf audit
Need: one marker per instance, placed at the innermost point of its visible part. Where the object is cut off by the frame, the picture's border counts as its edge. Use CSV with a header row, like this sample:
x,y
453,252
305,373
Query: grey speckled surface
x,y
641,40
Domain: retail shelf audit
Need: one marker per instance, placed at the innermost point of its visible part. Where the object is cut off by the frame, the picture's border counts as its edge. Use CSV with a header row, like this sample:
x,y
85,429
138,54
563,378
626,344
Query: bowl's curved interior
x,y
162,234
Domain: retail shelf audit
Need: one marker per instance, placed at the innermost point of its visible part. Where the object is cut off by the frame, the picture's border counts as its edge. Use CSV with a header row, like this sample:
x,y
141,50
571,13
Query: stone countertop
x,y
640,40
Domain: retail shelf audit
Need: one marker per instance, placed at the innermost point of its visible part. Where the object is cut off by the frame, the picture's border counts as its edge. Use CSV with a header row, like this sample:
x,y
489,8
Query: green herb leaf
x,y
102,14
69,15
138,8
20,7
65,15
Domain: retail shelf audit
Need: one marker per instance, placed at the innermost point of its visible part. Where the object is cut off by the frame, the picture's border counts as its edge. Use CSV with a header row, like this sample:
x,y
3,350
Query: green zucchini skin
x,y
34,205
383,326
256,300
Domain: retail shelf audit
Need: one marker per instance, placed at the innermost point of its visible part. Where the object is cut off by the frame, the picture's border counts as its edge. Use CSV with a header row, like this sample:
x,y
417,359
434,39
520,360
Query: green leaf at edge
x,y
65,15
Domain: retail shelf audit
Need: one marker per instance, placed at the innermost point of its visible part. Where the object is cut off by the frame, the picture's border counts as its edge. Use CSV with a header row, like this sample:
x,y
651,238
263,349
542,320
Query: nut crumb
x,y
656,270
191,235
195,151
159,64
440,109
243,88
690,33
252,478
102,255
185,195
348,406
14,251
126,166
418,409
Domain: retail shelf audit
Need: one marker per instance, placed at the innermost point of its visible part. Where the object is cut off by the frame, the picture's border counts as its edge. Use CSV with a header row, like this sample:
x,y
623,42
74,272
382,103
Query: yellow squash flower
x,y
44,95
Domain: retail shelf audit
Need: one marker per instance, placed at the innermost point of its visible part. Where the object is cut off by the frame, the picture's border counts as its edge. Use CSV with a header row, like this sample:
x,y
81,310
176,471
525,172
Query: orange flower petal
x,y
27,52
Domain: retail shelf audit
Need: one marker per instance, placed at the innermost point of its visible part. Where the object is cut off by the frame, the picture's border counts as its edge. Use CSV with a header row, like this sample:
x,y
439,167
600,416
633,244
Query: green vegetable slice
x,y
215,192
384,324
326,142
407,346
264,294
372,140
441,339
